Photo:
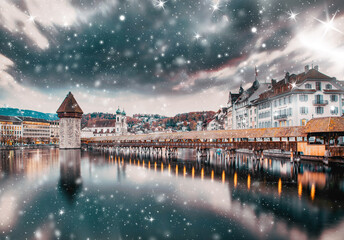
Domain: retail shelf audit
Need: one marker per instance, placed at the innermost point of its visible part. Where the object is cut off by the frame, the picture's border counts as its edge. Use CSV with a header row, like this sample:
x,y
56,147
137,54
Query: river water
x,y
73,194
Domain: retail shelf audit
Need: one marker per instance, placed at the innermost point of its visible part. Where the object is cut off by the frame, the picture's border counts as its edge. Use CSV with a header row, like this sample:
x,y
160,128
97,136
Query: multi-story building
x,y
244,109
35,130
292,101
296,99
10,130
54,131
106,127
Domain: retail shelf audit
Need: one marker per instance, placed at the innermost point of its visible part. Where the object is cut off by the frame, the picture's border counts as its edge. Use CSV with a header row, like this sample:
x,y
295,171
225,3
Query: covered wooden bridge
x,y
319,137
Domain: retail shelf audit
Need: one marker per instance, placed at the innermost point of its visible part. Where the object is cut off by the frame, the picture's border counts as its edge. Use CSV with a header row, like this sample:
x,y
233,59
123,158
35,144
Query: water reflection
x,y
70,173
104,195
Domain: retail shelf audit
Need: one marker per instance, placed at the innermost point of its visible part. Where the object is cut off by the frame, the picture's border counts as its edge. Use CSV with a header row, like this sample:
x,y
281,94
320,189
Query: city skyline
x,y
158,56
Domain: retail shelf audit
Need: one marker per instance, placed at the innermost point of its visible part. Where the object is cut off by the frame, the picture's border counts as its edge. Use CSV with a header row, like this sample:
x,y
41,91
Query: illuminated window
x,y
303,122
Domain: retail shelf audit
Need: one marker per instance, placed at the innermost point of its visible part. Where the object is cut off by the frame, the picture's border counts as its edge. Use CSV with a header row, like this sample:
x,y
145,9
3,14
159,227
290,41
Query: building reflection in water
x,y
70,174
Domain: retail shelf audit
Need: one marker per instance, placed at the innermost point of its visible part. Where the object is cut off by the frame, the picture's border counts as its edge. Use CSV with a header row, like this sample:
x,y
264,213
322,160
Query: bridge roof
x,y
219,134
325,124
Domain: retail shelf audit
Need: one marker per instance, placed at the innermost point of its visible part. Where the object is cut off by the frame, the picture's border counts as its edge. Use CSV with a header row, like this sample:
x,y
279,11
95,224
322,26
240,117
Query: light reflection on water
x,y
70,194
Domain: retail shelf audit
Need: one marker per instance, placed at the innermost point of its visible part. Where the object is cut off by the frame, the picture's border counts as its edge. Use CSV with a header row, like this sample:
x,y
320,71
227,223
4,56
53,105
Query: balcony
x,y
320,102
281,117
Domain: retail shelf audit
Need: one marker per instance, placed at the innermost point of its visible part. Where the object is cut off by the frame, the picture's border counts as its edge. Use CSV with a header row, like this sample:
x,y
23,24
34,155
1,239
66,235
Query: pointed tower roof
x,y
69,108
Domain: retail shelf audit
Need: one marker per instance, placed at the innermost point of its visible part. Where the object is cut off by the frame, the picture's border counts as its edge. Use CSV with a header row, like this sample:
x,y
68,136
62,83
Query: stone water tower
x,y
70,115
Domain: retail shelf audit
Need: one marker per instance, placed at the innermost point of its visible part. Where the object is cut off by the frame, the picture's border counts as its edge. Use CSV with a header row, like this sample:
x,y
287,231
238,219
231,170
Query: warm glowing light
x,y
143,163
184,171
202,173
279,187
235,179
177,170
130,161
223,176
299,190
155,166
162,167
169,168
138,162
193,172
248,182
313,191
212,175
148,165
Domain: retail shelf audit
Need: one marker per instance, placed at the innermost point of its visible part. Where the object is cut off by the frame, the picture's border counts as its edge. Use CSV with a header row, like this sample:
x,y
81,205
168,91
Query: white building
x,y
106,127
296,99
244,110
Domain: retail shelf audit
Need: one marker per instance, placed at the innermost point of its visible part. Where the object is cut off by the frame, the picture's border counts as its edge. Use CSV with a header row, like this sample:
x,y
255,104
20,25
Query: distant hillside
x,y
144,122
27,113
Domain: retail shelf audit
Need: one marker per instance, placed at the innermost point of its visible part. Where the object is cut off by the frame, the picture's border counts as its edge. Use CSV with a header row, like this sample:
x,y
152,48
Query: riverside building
x,y
291,101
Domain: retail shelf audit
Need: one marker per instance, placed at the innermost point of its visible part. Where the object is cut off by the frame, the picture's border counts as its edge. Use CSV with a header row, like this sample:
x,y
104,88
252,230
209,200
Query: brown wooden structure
x,y
318,134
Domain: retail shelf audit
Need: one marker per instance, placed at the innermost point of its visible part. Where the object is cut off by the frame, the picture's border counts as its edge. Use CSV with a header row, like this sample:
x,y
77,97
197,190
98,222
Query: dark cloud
x,y
153,49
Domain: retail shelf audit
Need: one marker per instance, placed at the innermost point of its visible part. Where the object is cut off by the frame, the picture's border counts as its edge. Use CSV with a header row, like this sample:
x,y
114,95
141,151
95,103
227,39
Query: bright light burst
x,y
31,18
329,25
159,4
292,15
215,6
197,36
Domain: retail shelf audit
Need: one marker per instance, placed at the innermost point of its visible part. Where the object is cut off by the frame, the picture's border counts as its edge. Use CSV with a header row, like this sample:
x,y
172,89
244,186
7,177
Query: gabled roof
x,y
69,105
325,124
100,123
311,74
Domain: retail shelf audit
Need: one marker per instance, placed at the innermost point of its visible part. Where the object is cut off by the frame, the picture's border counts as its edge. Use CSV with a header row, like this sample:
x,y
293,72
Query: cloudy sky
x,y
159,56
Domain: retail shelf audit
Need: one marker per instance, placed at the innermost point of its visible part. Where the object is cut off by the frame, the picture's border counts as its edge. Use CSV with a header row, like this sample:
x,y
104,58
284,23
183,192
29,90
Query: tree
x,y
193,125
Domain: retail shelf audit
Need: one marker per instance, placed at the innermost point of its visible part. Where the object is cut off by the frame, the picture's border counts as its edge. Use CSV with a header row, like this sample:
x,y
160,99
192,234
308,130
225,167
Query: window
x,y
284,101
303,98
308,86
303,122
275,124
334,110
319,110
328,86
319,99
280,101
303,110
289,99
334,98
318,86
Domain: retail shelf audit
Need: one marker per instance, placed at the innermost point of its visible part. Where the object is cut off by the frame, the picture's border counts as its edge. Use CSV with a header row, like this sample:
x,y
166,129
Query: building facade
x,y
291,101
70,115
296,99
11,130
106,127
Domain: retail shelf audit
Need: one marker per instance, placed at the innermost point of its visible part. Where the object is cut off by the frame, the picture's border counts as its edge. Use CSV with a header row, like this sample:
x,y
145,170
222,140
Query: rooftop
x,y
325,124
69,107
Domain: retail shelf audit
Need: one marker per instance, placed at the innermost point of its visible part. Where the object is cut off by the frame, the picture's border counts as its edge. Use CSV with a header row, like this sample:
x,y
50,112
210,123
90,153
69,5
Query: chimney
x,y
306,68
273,81
316,67
286,78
